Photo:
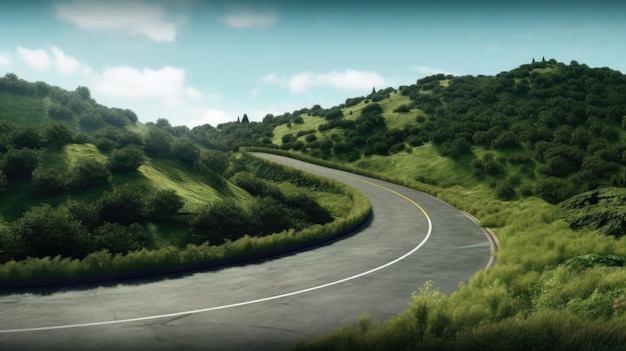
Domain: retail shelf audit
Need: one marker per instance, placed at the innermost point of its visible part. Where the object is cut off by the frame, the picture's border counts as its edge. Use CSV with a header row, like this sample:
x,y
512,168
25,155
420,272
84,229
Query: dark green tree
x,y
245,119
87,173
126,160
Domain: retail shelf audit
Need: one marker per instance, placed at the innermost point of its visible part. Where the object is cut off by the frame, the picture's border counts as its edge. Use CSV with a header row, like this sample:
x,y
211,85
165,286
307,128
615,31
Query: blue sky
x,y
195,62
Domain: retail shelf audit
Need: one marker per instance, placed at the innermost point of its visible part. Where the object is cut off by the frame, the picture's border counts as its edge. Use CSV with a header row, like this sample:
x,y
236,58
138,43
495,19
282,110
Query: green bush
x,y
88,173
48,231
220,220
19,164
126,205
48,181
125,160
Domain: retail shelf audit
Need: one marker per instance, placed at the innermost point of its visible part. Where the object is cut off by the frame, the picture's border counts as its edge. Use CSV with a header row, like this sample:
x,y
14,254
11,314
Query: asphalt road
x,y
412,238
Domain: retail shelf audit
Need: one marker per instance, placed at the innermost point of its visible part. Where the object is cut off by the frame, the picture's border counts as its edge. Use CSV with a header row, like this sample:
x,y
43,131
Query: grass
x,y
23,110
528,300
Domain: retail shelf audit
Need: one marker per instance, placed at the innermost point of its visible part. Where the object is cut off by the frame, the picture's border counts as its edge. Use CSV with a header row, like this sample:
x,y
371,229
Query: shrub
x,y
58,135
214,159
117,238
19,163
404,108
164,204
88,173
125,160
48,181
126,204
47,231
25,137
186,152
221,220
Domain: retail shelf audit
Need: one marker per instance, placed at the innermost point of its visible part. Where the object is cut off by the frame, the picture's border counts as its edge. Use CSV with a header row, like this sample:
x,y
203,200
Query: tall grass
x,y
528,300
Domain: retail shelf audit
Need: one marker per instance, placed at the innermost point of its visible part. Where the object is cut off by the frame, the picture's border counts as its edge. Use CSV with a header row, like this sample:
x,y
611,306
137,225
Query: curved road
x,y
412,238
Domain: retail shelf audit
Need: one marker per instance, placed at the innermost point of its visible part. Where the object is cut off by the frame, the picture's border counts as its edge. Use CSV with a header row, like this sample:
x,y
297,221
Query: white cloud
x,y
37,59
346,80
248,19
167,83
215,117
133,17
5,59
193,94
65,64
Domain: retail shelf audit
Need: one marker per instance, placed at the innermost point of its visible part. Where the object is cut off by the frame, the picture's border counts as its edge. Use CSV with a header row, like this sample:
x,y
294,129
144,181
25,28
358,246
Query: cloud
x,y
65,64
5,59
215,117
37,59
193,94
166,84
133,17
346,80
248,19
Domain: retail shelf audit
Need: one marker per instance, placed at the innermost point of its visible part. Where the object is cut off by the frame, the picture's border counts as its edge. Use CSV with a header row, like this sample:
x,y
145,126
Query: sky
x,y
195,62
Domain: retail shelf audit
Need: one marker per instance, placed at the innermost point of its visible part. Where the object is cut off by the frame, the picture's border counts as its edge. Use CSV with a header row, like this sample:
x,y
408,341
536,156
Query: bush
x,y
117,238
19,163
164,204
48,181
186,152
47,231
125,160
404,108
214,159
88,173
25,137
58,135
124,205
221,220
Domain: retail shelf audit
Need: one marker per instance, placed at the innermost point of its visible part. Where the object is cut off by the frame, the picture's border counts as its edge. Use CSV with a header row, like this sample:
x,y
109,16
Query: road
x,y
412,238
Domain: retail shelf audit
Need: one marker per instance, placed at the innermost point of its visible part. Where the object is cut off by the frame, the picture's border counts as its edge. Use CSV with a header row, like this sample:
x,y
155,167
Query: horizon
x,y
203,62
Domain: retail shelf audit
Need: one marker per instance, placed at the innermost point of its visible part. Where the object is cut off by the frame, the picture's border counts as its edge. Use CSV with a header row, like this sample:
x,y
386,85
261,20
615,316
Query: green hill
x,y
79,180
545,129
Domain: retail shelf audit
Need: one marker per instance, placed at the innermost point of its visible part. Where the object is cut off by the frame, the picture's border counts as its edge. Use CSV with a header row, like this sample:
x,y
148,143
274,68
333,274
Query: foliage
x,y
125,160
88,173
214,159
18,164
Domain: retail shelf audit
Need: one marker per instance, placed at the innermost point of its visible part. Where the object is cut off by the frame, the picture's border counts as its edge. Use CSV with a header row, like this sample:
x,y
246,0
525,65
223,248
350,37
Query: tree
x,y
245,119
3,180
164,204
57,135
158,142
215,160
19,163
87,173
125,160
25,137
125,205
83,92
186,151
48,181
48,231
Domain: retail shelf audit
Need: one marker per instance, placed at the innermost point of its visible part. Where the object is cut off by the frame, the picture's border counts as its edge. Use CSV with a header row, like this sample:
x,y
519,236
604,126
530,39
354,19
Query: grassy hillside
x,y
507,149
81,181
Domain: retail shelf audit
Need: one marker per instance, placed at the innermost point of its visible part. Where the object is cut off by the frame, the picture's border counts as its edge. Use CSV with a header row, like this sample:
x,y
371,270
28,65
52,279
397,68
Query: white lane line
x,y
270,298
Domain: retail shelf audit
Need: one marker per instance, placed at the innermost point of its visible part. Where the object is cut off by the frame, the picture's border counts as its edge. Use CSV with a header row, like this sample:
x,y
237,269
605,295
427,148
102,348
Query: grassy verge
x,y
531,299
